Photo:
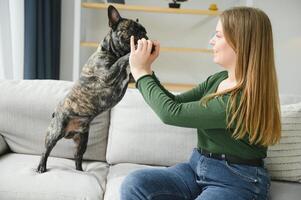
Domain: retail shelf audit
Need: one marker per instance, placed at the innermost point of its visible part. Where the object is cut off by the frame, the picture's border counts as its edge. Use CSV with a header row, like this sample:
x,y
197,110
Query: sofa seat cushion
x,y
285,190
19,180
115,177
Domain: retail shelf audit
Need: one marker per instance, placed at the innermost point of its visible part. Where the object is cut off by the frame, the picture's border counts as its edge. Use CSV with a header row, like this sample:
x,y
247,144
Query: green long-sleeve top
x,y
185,110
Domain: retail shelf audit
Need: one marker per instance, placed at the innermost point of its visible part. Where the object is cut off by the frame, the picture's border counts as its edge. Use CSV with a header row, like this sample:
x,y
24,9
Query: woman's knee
x,y
133,183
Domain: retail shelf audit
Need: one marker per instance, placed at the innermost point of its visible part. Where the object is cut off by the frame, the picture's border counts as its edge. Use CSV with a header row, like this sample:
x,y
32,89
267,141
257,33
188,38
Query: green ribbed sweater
x,y
185,110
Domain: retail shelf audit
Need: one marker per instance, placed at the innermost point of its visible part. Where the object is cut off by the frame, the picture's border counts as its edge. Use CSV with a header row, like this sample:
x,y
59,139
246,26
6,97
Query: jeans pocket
x,y
265,178
244,172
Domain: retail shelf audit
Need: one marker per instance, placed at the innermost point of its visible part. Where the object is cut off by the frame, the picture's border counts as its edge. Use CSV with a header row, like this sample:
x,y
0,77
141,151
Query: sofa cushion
x,y
26,110
284,159
284,190
136,135
115,177
20,181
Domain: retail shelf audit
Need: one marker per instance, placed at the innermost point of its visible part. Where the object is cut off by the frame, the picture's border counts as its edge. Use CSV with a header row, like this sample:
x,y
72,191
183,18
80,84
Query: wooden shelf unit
x,y
151,9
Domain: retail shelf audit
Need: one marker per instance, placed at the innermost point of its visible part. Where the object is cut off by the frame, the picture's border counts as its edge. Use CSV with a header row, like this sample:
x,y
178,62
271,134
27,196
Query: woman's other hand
x,y
141,58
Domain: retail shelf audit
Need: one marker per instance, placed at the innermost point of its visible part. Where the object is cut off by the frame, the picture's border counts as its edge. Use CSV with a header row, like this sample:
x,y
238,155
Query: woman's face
x,y
223,54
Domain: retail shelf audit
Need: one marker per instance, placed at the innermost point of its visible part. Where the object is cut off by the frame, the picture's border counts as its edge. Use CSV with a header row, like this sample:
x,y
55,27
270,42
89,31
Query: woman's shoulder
x,y
214,77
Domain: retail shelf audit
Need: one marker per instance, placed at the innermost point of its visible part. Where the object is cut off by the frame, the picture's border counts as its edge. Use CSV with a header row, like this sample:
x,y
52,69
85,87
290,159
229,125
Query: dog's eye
x,y
137,20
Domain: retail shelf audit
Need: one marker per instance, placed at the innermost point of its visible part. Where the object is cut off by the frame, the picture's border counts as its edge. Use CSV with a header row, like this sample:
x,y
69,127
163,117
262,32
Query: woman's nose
x,y
211,41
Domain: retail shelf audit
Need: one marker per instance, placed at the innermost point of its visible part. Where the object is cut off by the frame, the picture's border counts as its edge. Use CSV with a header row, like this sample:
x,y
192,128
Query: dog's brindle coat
x,y
102,84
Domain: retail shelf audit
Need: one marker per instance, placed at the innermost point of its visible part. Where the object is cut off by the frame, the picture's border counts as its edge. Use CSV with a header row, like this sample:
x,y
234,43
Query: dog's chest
x,y
99,88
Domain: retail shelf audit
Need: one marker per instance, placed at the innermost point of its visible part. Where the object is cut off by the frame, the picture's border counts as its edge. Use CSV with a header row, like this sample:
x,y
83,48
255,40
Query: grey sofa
x,y
127,138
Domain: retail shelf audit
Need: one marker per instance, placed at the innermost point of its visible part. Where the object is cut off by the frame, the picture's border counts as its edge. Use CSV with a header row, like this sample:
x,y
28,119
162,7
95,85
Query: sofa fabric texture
x,y
129,137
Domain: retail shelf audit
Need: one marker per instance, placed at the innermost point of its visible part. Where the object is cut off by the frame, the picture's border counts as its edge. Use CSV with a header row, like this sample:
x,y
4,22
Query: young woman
x,y
235,112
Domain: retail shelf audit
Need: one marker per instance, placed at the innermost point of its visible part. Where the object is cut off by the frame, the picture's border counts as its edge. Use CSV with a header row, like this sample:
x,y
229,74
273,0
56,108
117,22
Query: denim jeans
x,y
200,178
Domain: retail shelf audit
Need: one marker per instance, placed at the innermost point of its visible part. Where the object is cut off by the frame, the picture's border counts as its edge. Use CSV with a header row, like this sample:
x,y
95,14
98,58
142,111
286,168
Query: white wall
x,y
285,17
190,31
66,55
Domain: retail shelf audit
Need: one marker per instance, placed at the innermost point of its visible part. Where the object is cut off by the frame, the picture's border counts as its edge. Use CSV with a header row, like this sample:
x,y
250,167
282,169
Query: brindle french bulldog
x,y
102,83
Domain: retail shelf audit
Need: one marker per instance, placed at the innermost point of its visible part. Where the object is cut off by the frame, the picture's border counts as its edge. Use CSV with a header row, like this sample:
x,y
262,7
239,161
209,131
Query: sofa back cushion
x,y
26,108
137,135
284,159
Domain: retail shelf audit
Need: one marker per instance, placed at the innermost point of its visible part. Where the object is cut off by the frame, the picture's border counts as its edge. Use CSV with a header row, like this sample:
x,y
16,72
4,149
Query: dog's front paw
x,y
41,169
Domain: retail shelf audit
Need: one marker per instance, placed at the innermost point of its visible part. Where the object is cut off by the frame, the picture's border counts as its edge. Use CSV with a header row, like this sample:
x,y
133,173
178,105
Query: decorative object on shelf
x,y
213,7
174,4
116,1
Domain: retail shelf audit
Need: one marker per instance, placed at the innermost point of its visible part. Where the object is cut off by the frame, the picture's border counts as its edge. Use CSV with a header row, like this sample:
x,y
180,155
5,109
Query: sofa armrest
x,y
3,146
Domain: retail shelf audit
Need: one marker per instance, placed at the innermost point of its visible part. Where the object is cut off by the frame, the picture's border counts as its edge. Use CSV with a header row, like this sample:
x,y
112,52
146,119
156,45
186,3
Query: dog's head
x,y
117,41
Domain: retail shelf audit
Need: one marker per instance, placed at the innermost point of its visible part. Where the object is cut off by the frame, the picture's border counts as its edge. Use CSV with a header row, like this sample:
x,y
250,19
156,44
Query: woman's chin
x,y
215,61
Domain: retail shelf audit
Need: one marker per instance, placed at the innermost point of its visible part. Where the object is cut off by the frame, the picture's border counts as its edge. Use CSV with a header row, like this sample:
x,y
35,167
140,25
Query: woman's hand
x,y
141,58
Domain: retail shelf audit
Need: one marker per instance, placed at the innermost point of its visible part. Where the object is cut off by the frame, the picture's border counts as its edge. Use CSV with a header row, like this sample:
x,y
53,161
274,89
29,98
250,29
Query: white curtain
x,y
11,39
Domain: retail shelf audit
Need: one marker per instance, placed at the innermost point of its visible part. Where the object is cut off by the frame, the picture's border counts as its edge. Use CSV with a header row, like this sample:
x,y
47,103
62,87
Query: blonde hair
x,y
249,32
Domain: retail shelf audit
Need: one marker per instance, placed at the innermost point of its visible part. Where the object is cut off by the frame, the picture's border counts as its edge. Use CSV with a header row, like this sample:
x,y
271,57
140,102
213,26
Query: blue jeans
x,y
201,178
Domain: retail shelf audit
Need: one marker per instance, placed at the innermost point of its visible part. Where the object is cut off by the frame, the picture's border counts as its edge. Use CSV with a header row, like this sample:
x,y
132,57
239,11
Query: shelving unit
x,y
151,9
91,44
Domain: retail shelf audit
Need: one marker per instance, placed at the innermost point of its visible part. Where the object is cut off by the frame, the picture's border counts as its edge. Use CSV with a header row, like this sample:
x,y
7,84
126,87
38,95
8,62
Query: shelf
x,y
176,87
152,9
167,49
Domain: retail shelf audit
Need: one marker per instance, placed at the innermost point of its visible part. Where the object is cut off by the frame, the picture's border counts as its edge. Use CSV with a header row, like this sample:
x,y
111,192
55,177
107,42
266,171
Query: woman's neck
x,y
231,76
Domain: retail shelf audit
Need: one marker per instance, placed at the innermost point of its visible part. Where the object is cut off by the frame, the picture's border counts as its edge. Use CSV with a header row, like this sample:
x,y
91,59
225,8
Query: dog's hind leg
x,y
50,143
81,139
55,132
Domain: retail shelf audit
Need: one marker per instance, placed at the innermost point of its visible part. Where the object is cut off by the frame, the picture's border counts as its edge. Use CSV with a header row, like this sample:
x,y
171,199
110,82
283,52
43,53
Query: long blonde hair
x,y
249,32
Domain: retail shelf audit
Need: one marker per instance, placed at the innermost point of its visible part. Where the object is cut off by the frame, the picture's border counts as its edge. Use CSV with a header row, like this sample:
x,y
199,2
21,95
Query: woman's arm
x,y
194,94
191,114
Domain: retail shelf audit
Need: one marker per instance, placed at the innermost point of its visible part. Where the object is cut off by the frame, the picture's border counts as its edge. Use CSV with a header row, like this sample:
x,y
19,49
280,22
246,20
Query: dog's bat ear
x,y
114,16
